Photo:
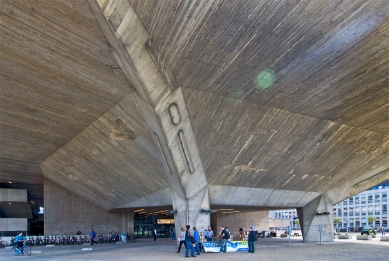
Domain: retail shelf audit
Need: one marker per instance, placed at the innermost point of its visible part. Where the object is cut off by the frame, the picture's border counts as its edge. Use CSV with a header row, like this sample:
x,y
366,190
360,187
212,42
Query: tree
x,y
371,220
297,222
337,221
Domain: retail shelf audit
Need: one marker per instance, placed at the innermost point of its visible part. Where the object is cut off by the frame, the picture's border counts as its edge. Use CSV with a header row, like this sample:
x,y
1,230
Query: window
x,y
345,212
385,222
384,209
363,199
370,210
357,199
334,212
351,211
377,210
351,201
339,212
351,222
363,222
357,211
345,202
357,222
363,211
377,198
370,198
384,197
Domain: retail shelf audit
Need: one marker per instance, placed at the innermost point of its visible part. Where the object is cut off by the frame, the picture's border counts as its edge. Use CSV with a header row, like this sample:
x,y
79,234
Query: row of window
x,y
360,222
361,210
366,199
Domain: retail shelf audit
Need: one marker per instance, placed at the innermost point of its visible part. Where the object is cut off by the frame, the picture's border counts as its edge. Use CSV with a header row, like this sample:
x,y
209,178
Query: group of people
x,y
225,235
191,241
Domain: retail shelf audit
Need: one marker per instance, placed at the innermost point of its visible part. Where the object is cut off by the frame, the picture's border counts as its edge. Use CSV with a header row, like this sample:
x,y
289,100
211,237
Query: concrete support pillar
x,y
187,170
317,212
163,102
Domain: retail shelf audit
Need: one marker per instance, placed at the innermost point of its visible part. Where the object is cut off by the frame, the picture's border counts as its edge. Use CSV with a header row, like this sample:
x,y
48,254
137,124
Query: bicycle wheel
x,y
27,251
15,251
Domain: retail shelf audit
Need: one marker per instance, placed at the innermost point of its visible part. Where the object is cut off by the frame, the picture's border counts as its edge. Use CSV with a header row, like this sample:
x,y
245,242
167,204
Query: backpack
x,y
226,234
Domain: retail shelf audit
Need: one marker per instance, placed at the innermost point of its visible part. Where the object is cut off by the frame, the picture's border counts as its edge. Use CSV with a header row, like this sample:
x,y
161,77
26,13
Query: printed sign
x,y
232,246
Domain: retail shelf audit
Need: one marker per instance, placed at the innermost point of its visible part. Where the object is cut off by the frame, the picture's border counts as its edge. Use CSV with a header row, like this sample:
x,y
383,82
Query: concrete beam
x,y
13,224
13,195
350,187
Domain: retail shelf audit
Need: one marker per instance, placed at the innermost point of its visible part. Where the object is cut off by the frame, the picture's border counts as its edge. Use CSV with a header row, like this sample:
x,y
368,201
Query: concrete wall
x,y
259,219
13,224
66,213
13,195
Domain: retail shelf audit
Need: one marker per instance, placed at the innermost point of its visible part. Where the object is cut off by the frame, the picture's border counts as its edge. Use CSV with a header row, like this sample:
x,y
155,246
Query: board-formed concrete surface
x,y
188,105
275,249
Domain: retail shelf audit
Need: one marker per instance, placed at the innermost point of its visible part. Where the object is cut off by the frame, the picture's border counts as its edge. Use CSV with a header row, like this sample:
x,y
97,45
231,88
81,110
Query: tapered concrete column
x,y
162,102
176,126
317,212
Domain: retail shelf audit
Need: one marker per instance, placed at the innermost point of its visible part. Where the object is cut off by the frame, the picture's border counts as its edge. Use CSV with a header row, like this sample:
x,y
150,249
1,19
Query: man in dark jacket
x,y
188,243
224,234
251,238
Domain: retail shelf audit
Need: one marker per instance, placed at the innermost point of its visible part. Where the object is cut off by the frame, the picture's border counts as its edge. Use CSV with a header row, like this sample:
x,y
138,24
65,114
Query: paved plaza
x,y
276,249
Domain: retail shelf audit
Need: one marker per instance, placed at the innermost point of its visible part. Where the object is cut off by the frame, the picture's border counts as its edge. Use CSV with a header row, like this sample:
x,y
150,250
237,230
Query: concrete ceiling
x,y
287,99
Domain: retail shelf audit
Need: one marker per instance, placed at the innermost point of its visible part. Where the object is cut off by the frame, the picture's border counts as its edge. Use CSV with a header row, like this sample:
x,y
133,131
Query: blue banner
x,y
232,246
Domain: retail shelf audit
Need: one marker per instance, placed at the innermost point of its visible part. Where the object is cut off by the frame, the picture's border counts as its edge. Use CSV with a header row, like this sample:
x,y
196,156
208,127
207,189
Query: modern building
x,y
354,212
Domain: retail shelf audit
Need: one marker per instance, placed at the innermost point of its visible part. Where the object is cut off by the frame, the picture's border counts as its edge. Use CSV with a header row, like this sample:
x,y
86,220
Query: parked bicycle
x,y
26,250
131,238
3,243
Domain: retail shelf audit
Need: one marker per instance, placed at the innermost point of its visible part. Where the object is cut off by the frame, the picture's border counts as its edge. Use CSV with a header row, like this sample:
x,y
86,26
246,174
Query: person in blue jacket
x,y
196,237
92,236
19,239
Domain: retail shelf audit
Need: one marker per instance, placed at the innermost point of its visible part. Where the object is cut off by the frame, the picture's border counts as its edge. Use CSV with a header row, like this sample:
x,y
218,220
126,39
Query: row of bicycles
x,y
72,239
63,240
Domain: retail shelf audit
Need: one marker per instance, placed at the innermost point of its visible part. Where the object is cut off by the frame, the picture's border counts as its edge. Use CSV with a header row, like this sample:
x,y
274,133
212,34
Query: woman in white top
x,y
182,239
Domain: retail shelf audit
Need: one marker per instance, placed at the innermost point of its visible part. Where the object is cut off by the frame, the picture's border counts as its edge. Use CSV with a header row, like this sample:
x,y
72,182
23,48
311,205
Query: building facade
x,y
353,212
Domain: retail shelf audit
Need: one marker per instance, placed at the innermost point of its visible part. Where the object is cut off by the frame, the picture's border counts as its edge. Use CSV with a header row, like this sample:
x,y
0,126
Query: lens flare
x,y
265,78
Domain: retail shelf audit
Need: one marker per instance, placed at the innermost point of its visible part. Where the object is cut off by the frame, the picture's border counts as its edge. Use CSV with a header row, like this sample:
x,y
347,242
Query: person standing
x,y
224,236
92,236
174,234
383,231
188,242
208,234
196,237
251,238
182,239
155,234
241,234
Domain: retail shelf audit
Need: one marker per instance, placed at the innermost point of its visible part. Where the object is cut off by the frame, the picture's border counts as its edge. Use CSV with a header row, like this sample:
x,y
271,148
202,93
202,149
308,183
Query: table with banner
x,y
232,246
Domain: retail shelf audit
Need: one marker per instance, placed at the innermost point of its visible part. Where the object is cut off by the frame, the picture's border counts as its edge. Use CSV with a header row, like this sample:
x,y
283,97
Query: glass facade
x,y
366,208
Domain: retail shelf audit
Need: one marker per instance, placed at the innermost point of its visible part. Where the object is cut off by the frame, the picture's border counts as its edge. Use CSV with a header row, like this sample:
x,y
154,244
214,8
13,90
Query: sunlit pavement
x,y
265,249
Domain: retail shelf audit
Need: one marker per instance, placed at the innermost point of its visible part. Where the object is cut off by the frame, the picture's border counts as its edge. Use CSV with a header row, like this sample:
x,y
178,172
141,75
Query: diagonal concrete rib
x,y
171,127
